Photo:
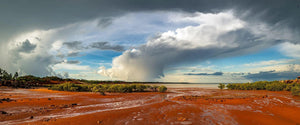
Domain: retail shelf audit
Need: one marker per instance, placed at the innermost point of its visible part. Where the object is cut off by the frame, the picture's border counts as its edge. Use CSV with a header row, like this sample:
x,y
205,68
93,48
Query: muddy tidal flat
x,y
178,106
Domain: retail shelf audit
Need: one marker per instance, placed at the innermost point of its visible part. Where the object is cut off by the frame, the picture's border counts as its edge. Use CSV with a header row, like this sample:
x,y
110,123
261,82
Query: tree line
x,y
294,87
112,88
56,83
4,75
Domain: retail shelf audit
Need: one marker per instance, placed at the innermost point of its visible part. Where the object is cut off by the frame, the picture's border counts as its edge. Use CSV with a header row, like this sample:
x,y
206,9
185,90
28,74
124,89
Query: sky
x,y
196,41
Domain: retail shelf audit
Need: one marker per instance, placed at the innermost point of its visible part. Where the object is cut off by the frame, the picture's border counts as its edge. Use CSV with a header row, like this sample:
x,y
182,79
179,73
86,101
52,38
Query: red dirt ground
x,y
177,106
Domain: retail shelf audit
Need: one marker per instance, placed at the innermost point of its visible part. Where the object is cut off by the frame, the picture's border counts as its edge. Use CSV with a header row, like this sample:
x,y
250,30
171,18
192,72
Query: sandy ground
x,y
176,107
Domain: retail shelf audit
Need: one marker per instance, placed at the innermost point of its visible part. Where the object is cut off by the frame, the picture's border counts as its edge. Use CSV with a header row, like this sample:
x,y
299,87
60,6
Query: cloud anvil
x,y
146,41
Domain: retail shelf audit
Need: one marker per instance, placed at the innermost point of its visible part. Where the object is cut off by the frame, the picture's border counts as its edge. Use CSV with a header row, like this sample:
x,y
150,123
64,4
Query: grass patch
x,y
114,88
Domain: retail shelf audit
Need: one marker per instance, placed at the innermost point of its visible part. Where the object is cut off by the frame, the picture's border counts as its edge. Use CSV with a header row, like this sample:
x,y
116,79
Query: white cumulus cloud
x,y
212,35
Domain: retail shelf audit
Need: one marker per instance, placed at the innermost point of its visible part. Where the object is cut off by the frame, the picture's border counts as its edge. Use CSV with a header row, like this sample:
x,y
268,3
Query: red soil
x,y
178,106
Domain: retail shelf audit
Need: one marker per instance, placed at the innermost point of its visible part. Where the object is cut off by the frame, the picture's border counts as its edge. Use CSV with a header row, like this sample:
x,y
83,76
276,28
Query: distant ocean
x,y
192,85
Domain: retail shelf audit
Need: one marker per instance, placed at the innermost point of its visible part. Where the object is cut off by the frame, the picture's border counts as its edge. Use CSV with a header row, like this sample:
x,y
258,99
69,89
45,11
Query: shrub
x,y
265,85
295,90
113,88
162,88
289,87
140,88
235,86
154,88
221,86
230,86
259,85
106,86
74,89
84,87
98,88
122,88
69,87
275,86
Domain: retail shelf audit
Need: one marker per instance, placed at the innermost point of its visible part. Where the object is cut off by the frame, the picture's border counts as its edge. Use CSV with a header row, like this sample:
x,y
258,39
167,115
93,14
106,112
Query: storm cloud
x,y
272,75
32,32
205,74
26,47
216,35
72,61
77,45
19,16
74,45
106,46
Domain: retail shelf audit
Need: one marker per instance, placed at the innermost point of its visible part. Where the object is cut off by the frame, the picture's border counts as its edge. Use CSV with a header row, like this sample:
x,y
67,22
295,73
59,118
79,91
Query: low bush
x,y
266,85
98,88
276,86
154,88
119,88
162,88
140,87
260,85
221,86
295,90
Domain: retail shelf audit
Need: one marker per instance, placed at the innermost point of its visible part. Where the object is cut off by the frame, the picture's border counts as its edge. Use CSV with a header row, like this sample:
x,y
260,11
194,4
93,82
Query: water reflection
x,y
192,85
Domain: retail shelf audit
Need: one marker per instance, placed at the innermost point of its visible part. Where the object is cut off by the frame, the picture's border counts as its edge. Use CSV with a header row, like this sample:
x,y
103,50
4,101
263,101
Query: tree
x,y
221,86
16,76
1,74
6,76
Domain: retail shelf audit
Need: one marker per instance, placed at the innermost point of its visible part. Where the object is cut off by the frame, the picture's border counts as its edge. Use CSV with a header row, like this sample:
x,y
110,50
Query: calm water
x,y
192,85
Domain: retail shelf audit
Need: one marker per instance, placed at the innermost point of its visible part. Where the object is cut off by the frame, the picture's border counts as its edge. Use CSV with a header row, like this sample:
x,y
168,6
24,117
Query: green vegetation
x,y
262,85
154,88
162,88
114,88
295,90
221,86
98,81
29,81
53,78
294,87
7,76
276,86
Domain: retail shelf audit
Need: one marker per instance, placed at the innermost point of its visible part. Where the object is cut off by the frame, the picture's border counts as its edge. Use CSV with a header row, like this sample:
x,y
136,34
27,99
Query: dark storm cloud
x,y
206,74
73,54
19,16
77,45
106,46
73,45
23,16
73,62
275,12
104,22
26,47
272,75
